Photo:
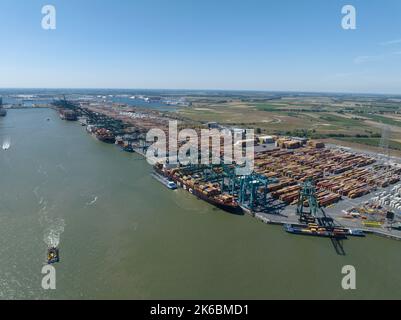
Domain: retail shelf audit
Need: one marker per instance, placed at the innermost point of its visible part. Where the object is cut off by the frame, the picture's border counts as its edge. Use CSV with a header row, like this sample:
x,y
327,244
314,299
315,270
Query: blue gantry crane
x,y
250,190
314,213
253,191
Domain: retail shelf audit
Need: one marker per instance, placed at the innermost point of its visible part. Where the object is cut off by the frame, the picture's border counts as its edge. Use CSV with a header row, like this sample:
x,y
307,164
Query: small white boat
x,y
168,183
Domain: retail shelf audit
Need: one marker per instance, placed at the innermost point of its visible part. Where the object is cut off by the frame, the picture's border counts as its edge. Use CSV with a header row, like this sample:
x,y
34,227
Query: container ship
x,y
104,135
101,134
124,145
68,115
207,191
128,148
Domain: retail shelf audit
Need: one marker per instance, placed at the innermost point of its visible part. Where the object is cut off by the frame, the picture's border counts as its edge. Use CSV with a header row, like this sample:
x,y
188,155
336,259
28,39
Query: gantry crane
x,y
314,213
253,191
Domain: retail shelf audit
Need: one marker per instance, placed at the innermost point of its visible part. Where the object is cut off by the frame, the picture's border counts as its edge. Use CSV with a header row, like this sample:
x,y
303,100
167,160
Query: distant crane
x,y
384,146
384,143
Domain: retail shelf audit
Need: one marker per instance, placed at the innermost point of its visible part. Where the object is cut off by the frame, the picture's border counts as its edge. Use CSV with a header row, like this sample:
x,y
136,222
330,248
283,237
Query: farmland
x,y
342,118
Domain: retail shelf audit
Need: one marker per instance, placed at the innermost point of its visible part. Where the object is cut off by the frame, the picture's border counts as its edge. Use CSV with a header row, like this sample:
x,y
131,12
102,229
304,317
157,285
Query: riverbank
x,y
127,236
287,216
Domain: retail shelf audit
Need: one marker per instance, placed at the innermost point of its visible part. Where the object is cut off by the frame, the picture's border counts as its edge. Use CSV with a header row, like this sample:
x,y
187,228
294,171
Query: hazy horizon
x,y
207,90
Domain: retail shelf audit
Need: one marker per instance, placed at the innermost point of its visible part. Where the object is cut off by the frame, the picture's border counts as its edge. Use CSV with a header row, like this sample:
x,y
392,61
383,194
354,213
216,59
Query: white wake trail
x,y
53,233
92,202
6,144
54,226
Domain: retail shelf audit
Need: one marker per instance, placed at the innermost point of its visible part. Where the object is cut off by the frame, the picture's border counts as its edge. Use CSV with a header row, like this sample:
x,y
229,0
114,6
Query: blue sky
x,y
202,44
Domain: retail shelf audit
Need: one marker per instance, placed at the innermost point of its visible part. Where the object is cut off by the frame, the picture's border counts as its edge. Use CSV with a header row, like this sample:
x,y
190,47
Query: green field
x,y
345,118
374,142
384,120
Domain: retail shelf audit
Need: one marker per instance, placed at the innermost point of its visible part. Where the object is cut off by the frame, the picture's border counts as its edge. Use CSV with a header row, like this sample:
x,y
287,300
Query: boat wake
x,y
42,171
6,144
61,167
92,202
53,233
53,226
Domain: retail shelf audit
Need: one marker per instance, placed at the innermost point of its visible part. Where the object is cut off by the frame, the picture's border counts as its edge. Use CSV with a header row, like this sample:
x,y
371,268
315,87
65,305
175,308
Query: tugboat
x,y
53,255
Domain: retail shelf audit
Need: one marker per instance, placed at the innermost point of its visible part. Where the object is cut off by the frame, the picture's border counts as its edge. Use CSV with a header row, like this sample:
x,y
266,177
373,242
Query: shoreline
x,y
272,219
278,219
378,233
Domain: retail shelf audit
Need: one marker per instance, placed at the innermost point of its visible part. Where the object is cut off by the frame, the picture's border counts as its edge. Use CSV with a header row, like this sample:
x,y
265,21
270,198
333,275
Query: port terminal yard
x,y
346,179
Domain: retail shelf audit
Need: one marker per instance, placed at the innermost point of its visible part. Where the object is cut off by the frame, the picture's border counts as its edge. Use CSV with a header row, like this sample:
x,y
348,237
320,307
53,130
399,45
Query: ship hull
x,y
234,209
106,140
128,149
230,208
110,140
305,231
237,210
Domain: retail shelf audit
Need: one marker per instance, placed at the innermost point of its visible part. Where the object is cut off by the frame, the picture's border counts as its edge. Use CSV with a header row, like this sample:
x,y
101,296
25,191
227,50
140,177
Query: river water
x,y
123,235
